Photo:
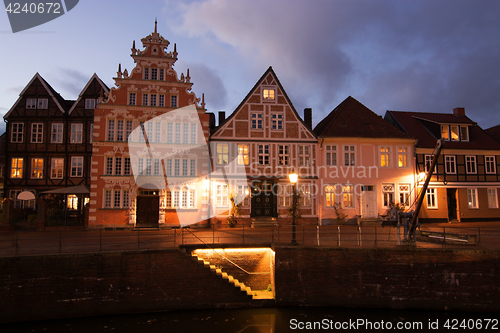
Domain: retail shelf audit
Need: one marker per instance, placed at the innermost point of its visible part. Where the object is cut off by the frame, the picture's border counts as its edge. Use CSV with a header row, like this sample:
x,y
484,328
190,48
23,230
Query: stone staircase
x,y
247,291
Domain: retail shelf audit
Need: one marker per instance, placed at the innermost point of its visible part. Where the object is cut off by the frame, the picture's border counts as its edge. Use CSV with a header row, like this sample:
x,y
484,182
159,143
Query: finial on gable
x,y
134,50
203,100
175,50
188,78
156,26
119,73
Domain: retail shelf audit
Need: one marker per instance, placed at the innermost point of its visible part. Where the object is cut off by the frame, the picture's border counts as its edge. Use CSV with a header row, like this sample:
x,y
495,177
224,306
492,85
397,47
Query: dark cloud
x,y
208,82
406,55
69,82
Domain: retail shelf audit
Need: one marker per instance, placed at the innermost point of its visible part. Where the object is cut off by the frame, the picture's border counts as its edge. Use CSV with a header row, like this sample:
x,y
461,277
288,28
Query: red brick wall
x,y
389,278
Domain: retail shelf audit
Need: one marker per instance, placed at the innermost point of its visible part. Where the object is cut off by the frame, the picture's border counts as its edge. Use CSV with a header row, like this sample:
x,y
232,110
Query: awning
x,y
80,189
26,195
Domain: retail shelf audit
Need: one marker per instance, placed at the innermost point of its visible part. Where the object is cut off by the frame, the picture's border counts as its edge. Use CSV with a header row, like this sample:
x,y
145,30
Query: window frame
x,y
450,160
256,121
385,156
431,193
388,194
331,157
90,103
349,155
132,98
268,94
222,153
54,167
36,168
37,132
57,133
76,166
466,131
17,132
490,166
348,196
403,156
277,121
16,167
472,198
243,154
492,198
283,155
263,154
471,163
76,133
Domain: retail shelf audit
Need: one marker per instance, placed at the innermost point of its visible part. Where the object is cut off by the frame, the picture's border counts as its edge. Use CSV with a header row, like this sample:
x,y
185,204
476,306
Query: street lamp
x,y
293,179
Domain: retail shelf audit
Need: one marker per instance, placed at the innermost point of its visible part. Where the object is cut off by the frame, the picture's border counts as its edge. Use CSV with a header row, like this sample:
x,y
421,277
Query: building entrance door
x,y
368,202
451,197
148,211
263,200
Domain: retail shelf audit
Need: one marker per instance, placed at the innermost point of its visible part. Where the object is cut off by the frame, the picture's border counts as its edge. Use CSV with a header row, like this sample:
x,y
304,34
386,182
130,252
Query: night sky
x,y
421,55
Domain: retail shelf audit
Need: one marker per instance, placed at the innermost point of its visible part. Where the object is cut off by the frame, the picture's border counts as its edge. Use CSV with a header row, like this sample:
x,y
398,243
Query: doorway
x,y
451,197
263,200
368,202
148,211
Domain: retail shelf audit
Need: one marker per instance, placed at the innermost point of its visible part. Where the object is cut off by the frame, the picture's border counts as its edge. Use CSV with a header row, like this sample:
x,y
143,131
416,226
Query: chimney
x,y
222,117
459,112
308,117
211,120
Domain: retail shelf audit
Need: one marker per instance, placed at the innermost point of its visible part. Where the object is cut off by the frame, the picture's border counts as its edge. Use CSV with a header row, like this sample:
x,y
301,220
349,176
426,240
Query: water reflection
x,y
267,320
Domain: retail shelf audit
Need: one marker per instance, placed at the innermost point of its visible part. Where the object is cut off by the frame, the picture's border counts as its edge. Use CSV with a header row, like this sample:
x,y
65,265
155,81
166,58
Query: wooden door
x,y
148,211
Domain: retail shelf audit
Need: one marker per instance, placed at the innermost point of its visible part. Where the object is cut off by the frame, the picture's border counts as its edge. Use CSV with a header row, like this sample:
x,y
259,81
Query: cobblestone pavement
x,y
447,235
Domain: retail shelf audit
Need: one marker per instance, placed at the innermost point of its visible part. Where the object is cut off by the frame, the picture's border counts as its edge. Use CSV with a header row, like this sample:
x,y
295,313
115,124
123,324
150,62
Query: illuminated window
x,y
221,196
268,94
36,168
404,194
222,153
57,168
403,157
445,132
454,133
243,156
243,194
388,194
385,157
16,170
330,198
348,196
72,202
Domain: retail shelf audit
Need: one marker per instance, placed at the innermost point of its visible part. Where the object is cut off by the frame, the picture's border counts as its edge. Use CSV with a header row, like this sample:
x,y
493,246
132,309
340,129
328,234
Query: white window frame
x,y
76,166
57,133
36,169
404,194
257,120
37,133
222,151
388,194
348,196
472,198
221,195
76,133
268,94
470,165
456,132
90,103
330,196
304,154
490,165
445,129
349,155
331,155
264,154
56,170
31,103
110,130
431,198
450,164
428,162
403,157
43,103
462,133
492,198
17,168
17,133
305,195
132,98
283,154
243,154
385,156
277,121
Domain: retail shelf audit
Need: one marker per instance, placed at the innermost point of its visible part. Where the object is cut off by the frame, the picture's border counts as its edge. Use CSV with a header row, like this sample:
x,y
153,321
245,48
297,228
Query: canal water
x,y
270,320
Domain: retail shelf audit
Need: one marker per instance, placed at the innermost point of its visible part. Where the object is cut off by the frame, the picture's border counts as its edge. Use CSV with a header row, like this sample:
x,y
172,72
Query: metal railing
x,y
59,242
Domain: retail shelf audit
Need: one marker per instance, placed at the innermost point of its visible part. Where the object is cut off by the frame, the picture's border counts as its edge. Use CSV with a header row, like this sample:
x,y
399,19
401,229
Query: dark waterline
x,y
264,320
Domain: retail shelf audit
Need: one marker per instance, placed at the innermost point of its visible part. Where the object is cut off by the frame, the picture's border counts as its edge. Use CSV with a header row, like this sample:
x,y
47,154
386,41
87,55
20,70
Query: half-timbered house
x,y
49,143
465,182
269,139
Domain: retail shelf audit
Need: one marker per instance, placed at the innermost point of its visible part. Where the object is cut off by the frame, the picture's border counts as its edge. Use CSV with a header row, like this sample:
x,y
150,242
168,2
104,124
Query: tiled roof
x,y
352,119
417,125
494,132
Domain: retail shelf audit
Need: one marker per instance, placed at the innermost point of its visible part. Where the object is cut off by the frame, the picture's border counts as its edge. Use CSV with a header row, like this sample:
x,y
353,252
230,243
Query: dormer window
x,y
464,133
454,133
268,94
444,132
89,103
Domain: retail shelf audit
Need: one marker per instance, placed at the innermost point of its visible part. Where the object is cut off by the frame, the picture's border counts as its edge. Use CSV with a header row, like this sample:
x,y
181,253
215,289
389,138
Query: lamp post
x,y
293,179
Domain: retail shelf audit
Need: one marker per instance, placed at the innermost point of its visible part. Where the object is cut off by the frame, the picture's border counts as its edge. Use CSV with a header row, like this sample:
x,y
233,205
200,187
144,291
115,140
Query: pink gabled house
x,y
365,164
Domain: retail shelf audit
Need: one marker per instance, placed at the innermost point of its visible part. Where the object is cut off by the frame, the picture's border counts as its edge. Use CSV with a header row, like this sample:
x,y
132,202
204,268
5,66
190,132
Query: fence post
x,y
213,234
444,237
317,233
359,237
243,233
338,236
